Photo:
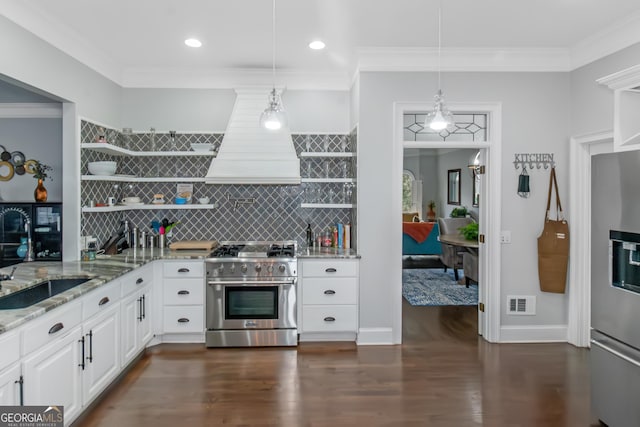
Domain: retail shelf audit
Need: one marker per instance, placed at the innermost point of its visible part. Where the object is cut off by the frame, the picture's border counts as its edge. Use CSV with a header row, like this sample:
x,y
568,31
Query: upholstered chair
x,y
470,267
452,255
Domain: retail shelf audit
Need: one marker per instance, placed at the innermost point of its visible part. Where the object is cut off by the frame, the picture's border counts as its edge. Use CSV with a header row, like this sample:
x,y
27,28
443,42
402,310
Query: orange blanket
x,y
419,231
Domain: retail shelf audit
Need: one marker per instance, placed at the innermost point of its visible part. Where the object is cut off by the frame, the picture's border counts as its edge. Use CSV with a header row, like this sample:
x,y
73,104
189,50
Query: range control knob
x,y
244,268
282,268
233,268
221,268
270,269
258,268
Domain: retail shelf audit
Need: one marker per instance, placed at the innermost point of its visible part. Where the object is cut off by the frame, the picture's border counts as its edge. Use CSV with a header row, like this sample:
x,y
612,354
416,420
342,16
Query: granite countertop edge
x,y
99,272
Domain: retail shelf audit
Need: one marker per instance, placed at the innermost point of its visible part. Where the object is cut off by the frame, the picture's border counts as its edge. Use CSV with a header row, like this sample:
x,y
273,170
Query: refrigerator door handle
x,y
615,352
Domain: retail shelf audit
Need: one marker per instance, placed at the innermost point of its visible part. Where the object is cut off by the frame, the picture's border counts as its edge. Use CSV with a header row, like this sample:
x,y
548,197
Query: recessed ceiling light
x,y
193,42
317,45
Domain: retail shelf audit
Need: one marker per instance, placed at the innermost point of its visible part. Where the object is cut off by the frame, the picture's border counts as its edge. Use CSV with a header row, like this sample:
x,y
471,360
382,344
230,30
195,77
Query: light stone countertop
x,y
102,270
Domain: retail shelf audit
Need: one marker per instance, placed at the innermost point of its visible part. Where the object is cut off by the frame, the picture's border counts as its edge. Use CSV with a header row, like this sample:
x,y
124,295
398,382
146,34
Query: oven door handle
x,y
252,282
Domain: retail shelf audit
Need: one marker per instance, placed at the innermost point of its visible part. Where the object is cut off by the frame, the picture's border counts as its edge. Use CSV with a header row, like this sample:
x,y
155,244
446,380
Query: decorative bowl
x,y
181,201
103,168
201,146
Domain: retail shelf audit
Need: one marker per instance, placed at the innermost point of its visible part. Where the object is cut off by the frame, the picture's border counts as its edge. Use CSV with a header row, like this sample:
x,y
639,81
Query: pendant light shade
x,y
440,118
273,117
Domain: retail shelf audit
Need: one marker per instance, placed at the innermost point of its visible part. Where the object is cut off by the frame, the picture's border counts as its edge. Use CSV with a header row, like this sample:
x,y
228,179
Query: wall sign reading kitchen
x,y
279,212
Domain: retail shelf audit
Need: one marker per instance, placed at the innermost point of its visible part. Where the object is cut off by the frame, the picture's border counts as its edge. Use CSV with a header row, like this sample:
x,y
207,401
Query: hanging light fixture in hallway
x,y
440,118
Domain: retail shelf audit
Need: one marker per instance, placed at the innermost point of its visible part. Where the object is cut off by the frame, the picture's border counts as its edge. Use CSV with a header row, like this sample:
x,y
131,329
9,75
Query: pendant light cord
x,y
273,44
439,45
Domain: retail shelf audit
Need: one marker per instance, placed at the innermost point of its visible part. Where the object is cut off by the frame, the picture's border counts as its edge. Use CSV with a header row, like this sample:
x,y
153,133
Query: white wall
x,y
209,110
535,118
430,182
38,139
591,103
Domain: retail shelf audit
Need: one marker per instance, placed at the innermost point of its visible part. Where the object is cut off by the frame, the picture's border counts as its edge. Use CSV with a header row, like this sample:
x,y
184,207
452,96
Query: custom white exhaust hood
x,y
250,154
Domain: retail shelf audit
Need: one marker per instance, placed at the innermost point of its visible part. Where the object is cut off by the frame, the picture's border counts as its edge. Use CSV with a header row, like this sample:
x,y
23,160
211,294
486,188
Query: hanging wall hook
x,y
534,160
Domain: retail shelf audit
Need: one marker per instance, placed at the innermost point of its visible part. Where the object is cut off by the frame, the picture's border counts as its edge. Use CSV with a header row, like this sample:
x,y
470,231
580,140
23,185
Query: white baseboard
x,y
182,338
375,336
533,333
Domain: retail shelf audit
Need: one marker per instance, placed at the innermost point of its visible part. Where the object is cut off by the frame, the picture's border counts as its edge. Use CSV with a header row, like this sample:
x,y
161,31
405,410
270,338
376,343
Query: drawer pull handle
x,y
329,292
183,292
103,301
329,319
55,328
140,280
183,270
183,320
330,270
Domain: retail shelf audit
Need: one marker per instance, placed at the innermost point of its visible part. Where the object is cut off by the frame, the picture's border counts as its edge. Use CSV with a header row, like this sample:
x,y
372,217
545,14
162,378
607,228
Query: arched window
x,y
411,193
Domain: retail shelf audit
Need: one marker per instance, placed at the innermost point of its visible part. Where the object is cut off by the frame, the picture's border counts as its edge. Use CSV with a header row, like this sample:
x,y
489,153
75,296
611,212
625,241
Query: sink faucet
x,y
4,276
29,256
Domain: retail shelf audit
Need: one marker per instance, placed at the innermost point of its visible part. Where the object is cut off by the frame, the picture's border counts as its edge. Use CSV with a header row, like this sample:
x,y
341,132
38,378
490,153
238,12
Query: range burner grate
x,y
281,251
227,251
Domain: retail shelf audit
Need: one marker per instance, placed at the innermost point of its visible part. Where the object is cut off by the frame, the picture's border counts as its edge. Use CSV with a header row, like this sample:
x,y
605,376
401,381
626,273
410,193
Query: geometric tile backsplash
x,y
276,213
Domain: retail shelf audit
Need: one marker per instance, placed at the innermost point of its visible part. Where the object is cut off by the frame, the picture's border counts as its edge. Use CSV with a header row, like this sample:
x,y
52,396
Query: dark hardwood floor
x,y
443,375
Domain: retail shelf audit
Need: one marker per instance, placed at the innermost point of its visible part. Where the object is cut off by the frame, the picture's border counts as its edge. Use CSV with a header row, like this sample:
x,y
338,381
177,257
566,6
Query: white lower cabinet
x,y
328,305
52,375
136,323
102,353
10,386
183,288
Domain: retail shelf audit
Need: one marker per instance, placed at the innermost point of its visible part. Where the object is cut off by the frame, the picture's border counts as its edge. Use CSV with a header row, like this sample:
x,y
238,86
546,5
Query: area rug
x,y
435,287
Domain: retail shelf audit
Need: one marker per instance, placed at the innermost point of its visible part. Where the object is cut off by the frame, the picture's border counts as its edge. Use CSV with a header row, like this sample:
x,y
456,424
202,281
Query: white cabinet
x,y
183,288
102,352
136,323
52,375
329,300
10,385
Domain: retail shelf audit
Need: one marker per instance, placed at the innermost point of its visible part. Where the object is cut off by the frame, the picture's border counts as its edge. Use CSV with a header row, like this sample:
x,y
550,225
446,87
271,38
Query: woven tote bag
x,y
553,245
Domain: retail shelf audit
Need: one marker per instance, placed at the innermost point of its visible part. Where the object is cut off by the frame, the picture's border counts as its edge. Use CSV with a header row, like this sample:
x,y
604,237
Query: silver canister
x,y
134,237
143,239
151,240
161,241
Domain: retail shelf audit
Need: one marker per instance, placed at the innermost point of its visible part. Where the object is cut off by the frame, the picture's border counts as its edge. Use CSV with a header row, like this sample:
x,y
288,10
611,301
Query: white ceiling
x,y
140,42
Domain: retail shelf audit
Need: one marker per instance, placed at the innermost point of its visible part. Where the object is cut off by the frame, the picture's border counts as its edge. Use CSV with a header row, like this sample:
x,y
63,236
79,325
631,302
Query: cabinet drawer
x,y
188,318
329,318
103,298
330,268
183,269
51,326
340,290
10,345
183,291
136,279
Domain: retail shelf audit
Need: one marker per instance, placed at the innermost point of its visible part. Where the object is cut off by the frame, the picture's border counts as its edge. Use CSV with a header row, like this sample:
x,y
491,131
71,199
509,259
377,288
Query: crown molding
x,y
233,78
60,36
26,110
625,79
463,59
611,39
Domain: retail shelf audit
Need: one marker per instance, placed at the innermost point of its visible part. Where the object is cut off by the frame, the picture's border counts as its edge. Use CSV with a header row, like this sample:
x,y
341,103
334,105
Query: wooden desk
x,y
459,240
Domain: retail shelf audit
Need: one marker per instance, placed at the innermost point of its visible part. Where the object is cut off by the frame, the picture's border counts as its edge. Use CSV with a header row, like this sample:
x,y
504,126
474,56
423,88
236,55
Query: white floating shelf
x,y
327,205
320,180
106,148
118,208
326,154
131,178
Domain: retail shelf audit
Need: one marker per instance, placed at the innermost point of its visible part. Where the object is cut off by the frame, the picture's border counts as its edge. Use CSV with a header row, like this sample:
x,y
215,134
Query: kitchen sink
x,y
39,292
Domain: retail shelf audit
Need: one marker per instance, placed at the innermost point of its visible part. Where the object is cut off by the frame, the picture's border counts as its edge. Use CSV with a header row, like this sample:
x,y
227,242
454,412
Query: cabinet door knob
x,y
183,320
55,328
329,319
183,270
183,292
329,292
140,280
103,301
330,270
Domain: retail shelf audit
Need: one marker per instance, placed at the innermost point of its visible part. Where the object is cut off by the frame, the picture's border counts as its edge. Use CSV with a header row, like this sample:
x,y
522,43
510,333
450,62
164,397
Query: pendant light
x,y
440,118
273,117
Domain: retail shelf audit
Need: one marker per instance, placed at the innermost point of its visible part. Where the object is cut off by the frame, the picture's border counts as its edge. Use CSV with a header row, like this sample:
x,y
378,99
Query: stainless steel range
x,y
251,294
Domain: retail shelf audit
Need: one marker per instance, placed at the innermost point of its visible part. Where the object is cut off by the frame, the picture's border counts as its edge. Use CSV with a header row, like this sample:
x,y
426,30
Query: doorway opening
x,y
488,210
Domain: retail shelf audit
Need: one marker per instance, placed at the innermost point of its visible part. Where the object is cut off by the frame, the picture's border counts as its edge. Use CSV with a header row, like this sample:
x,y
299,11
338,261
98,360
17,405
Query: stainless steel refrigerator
x,y
615,289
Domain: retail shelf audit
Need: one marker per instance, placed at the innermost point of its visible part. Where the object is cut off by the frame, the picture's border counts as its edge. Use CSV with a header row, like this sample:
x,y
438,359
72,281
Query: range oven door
x,y
251,305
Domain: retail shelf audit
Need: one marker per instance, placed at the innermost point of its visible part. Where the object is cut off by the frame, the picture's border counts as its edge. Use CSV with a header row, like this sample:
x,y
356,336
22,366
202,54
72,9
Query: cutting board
x,y
194,245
